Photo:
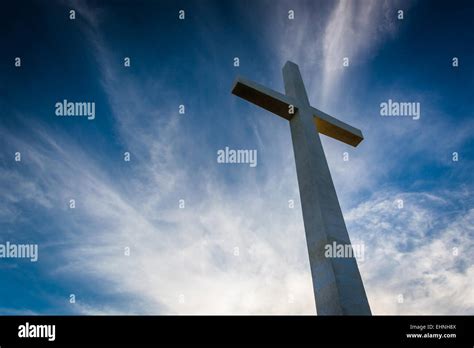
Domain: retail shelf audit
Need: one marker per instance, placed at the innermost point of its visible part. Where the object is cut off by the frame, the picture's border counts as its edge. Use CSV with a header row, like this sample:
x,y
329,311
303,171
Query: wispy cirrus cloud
x,y
233,263
214,243
323,33
418,257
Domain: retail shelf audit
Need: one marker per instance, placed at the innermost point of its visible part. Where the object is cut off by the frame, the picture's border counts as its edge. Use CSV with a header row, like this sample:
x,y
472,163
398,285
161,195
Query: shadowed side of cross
x,y
337,284
286,106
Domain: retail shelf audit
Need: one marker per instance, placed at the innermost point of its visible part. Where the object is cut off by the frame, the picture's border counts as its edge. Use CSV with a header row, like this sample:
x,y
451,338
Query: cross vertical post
x,y
337,283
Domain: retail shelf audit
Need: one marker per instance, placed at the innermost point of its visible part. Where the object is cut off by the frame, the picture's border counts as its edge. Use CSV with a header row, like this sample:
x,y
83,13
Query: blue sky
x,y
184,260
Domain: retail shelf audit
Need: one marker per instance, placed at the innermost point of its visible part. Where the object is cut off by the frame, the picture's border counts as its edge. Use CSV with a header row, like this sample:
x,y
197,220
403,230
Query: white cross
x,y
338,287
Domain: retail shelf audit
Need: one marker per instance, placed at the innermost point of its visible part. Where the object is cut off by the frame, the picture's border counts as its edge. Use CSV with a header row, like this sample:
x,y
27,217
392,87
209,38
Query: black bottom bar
x,y
289,330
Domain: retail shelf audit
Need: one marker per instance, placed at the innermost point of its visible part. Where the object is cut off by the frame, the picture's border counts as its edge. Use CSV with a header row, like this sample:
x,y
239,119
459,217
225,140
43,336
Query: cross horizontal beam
x,y
280,104
264,97
336,129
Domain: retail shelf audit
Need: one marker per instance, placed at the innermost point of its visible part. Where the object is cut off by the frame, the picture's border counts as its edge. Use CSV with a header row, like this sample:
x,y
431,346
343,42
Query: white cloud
x,y
173,251
323,33
411,251
354,30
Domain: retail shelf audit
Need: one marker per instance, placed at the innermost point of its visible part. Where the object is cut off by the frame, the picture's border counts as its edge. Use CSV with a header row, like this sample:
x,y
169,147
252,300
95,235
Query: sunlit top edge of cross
x,y
279,104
